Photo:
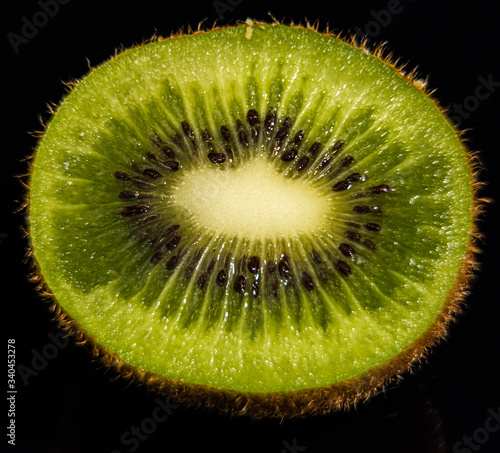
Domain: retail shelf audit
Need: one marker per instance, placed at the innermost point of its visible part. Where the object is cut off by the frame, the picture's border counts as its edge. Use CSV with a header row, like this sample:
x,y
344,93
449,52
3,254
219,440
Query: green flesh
x,y
99,268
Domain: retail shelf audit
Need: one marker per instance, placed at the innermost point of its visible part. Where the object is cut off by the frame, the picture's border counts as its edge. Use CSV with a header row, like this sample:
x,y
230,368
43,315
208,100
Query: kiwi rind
x,y
318,400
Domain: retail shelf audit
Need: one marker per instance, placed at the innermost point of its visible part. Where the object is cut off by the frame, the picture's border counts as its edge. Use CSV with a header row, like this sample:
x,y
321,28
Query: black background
x,y
74,405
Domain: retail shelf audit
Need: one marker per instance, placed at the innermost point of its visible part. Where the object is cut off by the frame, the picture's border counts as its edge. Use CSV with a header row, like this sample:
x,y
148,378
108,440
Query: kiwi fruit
x,y
262,219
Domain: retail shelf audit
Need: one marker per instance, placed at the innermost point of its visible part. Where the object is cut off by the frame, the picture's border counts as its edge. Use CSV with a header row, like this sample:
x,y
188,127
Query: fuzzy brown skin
x,y
339,396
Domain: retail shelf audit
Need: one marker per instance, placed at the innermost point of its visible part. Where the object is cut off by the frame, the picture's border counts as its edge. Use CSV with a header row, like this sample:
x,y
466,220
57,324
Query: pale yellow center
x,y
252,200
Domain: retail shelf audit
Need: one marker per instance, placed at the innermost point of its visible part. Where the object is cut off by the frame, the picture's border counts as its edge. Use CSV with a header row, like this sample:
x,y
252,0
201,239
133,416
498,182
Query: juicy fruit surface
x,y
134,214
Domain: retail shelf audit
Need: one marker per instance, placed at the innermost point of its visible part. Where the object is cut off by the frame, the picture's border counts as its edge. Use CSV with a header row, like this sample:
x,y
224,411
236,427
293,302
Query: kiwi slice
x,y
262,218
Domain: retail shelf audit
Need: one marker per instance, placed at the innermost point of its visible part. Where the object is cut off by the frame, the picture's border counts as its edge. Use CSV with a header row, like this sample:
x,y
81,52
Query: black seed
x,y
373,226
283,268
377,209
201,280
370,244
281,133
307,281
383,188
316,256
270,121
152,157
354,177
255,288
273,290
343,267
313,150
288,122
134,210
346,249
325,162
122,176
152,173
243,138
240,283
340,186
187,129
346,161
289,155
252,117
217,158
173,243
271,267
299,136
171,230
361,209
226,135
169,153
206,135
156,258
337,145
221,278
172,165
302,163
128,194
353,236
172,262
255,133
254,264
